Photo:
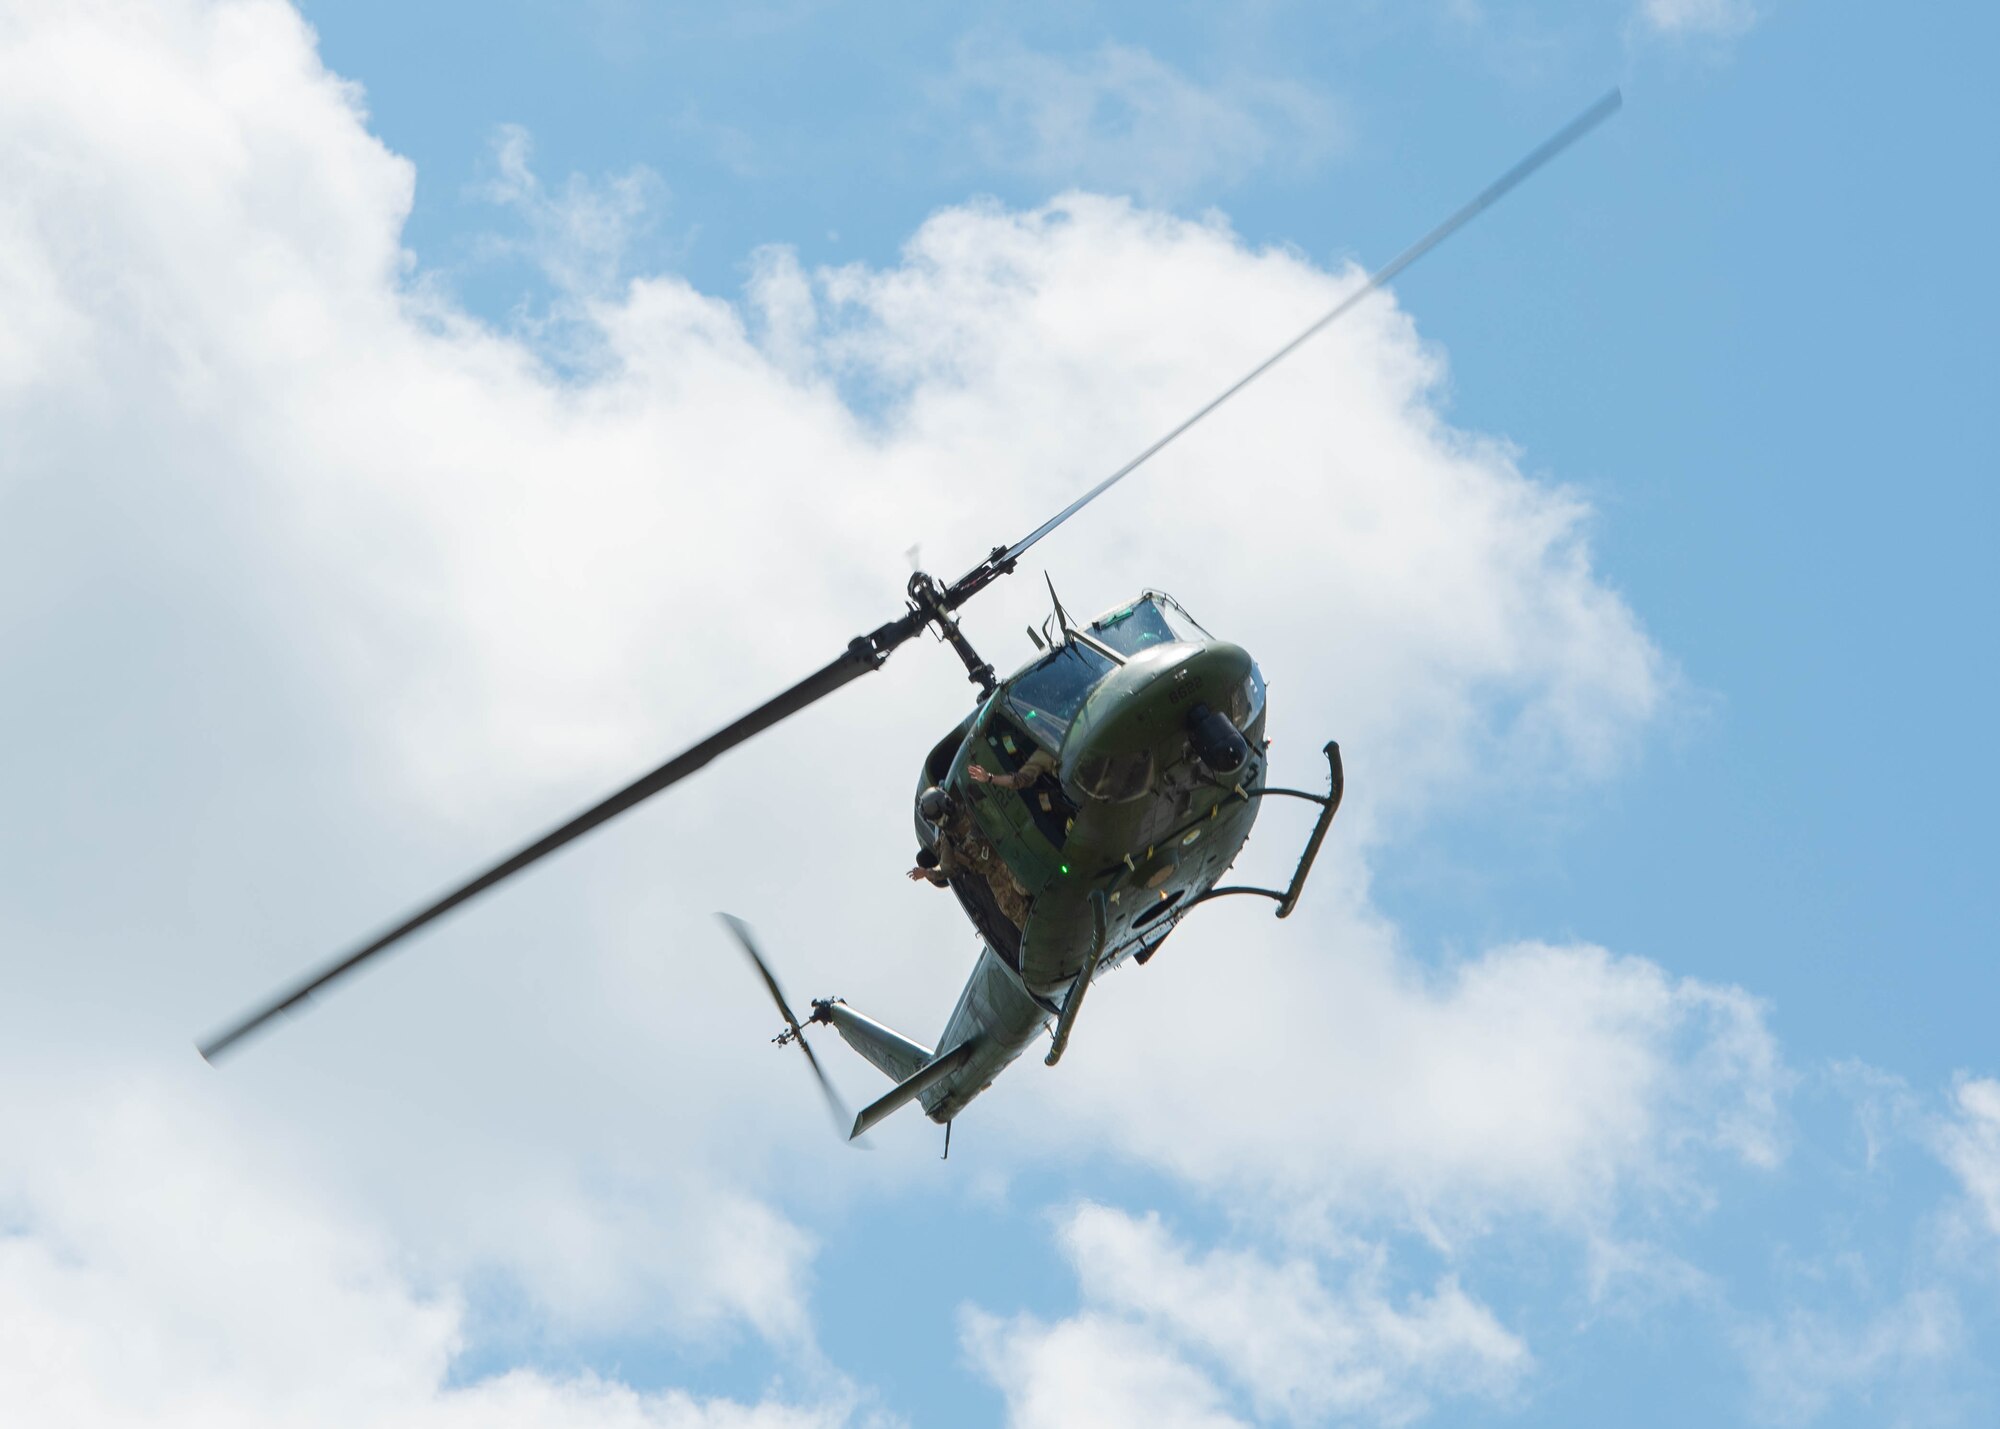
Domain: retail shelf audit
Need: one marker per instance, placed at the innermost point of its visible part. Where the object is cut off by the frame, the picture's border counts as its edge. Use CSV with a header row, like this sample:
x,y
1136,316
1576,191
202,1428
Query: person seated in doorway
x,y
962,849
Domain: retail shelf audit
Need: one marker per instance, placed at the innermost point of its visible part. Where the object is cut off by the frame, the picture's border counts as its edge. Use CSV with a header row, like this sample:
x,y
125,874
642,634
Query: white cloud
x,y
1700,17
156,1269
1123,121
1330,1078
1295,1346
1841,1339
1089,1371
216,438
367,593
1969,1143
1636,1279
1963,1135
1799,1367
580,235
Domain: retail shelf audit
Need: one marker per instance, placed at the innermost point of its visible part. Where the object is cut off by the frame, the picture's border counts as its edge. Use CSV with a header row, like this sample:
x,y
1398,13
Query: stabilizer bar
x,y
911,1087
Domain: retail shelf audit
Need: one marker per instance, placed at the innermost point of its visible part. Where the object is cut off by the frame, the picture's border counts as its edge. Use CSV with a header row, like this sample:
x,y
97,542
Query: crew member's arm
x,y
1039,763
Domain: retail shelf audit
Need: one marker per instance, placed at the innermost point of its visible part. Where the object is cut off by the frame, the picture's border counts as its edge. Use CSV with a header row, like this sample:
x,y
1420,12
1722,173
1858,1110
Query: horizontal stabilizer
x,y
913,1087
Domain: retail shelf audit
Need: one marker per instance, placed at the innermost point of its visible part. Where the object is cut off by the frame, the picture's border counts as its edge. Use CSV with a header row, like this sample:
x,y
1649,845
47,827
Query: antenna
x,y
1062,616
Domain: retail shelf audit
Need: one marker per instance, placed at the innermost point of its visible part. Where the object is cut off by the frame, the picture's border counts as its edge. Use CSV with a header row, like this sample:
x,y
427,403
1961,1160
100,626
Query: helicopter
x,y
1105,786
1083,808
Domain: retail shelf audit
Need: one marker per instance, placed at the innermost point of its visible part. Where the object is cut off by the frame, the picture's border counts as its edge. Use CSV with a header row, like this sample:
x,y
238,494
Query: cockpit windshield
x,y
1048,696
1154,619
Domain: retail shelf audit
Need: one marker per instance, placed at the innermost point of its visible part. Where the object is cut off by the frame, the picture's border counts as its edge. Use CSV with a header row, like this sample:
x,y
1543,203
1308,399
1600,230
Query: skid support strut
x,y
1100,919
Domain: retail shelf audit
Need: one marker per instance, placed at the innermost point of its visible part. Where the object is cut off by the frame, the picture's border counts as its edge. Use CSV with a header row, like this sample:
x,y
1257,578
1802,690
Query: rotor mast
x,y
934,604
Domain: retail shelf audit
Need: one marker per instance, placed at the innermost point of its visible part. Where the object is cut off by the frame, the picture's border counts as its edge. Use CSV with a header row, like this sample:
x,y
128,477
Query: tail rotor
x,y
793,1032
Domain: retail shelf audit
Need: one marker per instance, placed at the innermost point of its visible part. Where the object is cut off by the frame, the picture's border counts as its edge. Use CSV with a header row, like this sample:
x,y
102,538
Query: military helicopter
x,y
1079,812
1082,809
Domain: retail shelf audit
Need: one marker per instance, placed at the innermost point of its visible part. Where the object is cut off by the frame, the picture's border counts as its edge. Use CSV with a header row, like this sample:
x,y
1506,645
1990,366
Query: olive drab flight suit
x,y
963,849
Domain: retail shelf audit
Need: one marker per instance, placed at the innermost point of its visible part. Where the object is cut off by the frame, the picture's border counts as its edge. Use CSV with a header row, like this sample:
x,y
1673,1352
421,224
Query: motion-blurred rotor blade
x,y
864,654
833,1102
1002,559
742,931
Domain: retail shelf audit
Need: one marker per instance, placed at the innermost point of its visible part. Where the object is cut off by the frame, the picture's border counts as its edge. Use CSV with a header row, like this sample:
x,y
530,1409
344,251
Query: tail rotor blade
x,y
749,943
743,936
834,1105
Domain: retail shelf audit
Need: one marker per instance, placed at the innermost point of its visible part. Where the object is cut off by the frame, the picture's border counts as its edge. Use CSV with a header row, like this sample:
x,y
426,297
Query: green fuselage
x,y
1123,804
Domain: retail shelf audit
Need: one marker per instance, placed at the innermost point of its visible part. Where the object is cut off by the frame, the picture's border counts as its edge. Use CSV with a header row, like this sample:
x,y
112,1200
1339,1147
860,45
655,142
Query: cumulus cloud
x,y
1294,1346
1340,1081
1091,1370
228,403
368,592
157,1269
1124,121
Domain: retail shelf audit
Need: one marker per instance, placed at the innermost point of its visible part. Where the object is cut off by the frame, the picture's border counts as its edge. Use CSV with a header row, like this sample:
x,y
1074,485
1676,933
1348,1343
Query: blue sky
x,y
409,416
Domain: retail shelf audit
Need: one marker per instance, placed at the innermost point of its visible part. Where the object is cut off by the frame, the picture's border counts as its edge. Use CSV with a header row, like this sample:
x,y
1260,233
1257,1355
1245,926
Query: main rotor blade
x,y
833,1102
1596,114
863,655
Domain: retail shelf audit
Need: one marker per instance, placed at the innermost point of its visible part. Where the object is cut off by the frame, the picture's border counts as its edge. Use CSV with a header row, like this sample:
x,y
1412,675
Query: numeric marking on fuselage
x,y
1187,684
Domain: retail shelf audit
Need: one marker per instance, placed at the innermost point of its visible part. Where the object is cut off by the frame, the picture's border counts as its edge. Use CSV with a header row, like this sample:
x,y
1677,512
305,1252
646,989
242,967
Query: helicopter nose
x,y
1208,675
1144,715
1196,693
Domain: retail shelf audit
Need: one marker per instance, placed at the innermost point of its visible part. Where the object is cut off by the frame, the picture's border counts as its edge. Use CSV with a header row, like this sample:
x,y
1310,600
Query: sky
x,y
416,421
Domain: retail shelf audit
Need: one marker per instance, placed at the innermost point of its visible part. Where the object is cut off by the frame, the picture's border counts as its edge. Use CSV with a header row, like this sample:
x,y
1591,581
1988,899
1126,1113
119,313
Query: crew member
x,y
961,849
